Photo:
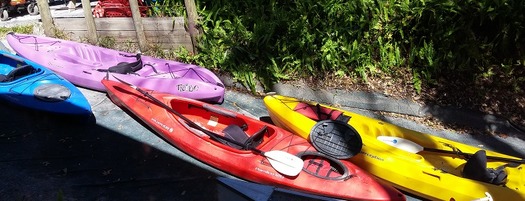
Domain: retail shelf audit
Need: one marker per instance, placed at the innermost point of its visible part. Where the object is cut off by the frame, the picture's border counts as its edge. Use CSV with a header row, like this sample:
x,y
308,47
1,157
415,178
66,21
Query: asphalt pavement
x,y
112,156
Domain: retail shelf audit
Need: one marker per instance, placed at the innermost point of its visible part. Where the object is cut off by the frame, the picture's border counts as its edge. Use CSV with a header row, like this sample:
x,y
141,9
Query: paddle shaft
x,y
510,160
283,162
191,123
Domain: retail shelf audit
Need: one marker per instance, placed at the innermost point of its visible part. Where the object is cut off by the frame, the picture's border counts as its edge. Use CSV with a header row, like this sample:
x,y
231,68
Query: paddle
x,y
281,161
413,147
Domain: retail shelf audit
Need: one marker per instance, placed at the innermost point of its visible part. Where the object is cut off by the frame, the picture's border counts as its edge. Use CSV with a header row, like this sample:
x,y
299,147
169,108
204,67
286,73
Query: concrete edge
x,y
382,102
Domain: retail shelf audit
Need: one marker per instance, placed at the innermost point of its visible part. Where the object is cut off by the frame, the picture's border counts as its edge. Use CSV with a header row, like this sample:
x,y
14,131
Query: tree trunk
x,y
47,20
90,22
191,11
139,27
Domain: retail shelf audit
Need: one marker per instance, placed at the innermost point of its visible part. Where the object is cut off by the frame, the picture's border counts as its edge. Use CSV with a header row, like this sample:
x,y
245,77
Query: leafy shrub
x,y
165,8
276,40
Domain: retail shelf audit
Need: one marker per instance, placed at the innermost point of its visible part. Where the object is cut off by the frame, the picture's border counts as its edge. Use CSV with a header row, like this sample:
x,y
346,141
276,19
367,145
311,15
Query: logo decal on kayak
x,y
269,173
169,129
372,156
187,88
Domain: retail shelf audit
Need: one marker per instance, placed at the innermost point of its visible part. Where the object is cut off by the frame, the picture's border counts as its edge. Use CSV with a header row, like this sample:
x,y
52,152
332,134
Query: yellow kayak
x,y
417,166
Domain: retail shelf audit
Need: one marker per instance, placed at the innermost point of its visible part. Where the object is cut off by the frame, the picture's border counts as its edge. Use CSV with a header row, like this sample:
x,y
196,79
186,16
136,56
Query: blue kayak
x,y
25,83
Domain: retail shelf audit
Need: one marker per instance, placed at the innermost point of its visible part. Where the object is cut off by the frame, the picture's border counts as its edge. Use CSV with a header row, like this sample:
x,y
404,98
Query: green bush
x,y
165,8
276,40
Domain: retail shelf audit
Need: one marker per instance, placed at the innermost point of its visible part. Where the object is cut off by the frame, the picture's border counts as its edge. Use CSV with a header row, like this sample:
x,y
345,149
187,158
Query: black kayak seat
x,y
17,73
125,67
237,134
476,169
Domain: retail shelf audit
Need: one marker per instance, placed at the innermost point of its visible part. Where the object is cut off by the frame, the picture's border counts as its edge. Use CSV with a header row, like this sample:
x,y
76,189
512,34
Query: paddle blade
x,y
284,162
401,143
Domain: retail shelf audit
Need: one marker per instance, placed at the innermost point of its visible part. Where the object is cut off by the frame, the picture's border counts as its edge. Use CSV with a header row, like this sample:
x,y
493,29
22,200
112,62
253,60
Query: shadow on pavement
x,y
49,157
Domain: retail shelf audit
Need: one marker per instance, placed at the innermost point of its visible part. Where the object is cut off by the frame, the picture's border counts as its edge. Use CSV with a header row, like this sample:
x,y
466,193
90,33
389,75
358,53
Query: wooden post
x,y
139,27
90,22
191,11
45,15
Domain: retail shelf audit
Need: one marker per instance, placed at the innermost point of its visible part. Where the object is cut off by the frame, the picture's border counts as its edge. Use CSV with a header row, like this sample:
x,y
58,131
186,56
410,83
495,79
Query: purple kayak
x,y
86,65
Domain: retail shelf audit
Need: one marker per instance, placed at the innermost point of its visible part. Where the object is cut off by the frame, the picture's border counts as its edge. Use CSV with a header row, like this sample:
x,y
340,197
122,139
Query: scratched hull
x,y
85,65
429,175
320,175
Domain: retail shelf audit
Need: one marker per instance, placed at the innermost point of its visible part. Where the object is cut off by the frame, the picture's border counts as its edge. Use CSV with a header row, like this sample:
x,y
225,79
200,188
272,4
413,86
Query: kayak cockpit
x,y
318,112
224,123
323,166
17,73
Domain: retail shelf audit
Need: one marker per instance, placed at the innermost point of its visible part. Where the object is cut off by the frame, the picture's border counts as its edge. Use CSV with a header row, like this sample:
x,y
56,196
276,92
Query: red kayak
x,y
247,148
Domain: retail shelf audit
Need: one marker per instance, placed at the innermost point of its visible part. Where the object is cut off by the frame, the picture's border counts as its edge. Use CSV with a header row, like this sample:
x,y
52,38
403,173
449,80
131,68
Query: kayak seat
x,y
476,169
237,134
18,73
319,113
125,67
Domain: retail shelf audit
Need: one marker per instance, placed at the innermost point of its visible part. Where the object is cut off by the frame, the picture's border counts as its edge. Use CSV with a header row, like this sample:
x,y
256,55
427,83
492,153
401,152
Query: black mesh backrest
x,y
18,73
236,133
476,167
125,67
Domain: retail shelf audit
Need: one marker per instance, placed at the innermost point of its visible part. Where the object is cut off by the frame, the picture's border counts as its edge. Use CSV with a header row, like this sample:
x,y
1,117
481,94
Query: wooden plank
x,y
77,35
153,37
167,32
172,24
70,23
122,24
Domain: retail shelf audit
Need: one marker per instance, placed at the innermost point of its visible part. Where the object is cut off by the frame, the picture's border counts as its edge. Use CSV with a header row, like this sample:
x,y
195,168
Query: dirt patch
x,y
499,94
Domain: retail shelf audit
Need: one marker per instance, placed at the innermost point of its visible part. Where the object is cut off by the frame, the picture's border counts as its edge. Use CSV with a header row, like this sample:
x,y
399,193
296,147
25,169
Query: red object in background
x,y
17,2
117,8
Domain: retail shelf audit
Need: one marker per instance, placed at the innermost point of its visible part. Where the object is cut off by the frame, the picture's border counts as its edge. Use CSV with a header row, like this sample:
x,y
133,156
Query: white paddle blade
x,y
401,143
284,162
